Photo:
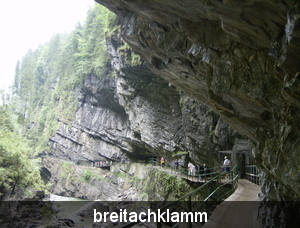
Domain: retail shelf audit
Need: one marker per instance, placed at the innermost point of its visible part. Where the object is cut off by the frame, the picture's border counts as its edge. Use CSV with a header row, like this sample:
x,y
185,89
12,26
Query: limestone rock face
x,y
123,182
240,58
136,115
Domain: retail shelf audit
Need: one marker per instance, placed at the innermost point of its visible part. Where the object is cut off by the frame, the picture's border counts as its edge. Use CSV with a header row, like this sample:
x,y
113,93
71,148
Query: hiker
x,y
206,170
200,171
226,165
176,164
191,169
162,162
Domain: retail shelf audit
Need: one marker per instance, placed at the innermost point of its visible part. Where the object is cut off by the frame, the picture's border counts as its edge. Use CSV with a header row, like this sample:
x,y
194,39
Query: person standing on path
x,y
162,162
226,165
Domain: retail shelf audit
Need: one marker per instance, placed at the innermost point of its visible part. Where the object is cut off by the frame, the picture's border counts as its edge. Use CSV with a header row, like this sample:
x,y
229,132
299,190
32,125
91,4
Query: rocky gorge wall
x,y
137,115
123,182
240,58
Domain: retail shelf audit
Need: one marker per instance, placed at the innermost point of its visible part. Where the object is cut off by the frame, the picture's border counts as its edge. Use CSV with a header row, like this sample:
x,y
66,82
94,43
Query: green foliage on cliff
x,y
172,184
16,167
131,58
89,176
68,169
47,78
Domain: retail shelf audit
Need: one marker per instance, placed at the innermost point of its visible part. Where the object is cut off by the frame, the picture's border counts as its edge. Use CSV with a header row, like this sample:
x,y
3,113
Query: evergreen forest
x,y
46,80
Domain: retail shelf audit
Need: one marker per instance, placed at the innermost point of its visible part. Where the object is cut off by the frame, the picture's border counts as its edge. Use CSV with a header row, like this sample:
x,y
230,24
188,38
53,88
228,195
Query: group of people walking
x,y
198,169
194,170
102,163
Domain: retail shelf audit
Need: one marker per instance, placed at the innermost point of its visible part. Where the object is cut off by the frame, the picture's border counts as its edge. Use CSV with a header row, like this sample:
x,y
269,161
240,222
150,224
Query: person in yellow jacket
x,y
162,162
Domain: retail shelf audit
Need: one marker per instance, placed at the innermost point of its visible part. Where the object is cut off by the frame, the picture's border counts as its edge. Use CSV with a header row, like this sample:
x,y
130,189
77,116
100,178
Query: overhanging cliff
x,y
240,59
137,115
86,97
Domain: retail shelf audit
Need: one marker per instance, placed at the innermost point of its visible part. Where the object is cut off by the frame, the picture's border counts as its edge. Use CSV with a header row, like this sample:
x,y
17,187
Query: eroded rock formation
x,y
240,58
137,115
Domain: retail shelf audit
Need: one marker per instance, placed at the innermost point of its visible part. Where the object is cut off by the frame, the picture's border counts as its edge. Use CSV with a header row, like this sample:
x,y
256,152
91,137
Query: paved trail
x,y
239,210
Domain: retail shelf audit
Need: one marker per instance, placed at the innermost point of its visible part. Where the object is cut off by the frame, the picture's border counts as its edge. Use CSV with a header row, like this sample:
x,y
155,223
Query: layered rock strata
x,y
136,115
240,58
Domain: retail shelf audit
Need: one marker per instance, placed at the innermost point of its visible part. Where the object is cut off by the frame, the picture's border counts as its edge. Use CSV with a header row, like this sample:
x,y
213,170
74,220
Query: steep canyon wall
x,y
137,115
240,58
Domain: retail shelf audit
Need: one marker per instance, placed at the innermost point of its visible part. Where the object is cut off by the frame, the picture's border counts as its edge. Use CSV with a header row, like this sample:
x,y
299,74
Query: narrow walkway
x,y
239,210
195,178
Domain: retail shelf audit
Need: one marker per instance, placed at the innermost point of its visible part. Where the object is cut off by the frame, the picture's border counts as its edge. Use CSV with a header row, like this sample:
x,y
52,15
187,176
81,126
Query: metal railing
x,y
193,175
214,196
252,174
152,161
197,175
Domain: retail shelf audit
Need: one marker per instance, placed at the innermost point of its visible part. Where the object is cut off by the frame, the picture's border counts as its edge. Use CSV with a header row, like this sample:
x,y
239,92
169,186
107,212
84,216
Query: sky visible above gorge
x,y
26,24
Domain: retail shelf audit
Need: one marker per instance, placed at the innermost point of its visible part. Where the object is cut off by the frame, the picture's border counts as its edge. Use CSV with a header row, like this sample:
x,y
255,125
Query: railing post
x,y
256,177
233,173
